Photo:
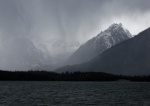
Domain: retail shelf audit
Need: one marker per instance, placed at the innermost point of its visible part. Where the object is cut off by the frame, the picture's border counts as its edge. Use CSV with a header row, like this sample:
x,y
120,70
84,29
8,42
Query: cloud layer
x,y
58,27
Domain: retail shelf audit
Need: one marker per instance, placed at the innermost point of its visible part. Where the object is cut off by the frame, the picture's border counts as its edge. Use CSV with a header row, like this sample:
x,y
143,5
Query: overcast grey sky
x,y
60,26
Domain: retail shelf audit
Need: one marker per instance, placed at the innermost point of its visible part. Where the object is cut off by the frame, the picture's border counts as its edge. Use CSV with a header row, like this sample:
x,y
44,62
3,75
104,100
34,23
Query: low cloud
x,y
59,27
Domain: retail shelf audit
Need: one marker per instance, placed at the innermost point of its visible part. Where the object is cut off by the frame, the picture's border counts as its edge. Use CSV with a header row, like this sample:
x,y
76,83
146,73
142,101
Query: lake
x,y
47,93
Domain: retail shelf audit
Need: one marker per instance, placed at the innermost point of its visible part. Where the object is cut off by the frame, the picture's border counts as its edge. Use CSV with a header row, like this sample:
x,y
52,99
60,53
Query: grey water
x,y
47,93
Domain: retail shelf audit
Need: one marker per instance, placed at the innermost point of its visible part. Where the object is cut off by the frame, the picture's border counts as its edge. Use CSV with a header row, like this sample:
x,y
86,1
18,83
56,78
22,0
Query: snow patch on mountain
x,y
116,33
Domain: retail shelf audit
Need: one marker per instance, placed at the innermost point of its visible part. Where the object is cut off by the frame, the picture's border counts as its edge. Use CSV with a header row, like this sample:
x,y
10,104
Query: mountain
x,y
131,57
116,33
19,53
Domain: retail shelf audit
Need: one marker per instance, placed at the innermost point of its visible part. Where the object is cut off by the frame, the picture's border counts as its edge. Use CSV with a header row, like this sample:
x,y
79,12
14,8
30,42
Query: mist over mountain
x,y
131,57
115,34
43,34
23,56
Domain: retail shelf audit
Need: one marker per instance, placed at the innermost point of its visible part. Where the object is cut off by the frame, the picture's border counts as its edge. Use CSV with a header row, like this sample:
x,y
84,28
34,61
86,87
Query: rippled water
x,y
74,93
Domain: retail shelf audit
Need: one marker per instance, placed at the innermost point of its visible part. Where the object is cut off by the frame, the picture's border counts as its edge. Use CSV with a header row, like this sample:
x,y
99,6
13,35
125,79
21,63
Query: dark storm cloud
x,y
59,27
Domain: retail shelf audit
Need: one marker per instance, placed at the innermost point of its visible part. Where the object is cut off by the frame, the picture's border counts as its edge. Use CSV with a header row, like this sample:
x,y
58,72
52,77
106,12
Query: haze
x,y
56,28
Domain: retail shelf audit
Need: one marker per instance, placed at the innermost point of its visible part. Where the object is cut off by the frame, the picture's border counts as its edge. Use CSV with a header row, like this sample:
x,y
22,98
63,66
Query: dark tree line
x,y
74,76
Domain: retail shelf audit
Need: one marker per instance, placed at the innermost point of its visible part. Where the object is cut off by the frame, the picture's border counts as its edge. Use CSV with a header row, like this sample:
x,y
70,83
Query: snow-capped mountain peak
x,y
117,28
114,28
116,33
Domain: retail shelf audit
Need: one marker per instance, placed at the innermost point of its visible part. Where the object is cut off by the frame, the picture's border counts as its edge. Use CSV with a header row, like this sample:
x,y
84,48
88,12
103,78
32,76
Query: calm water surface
x,y
74,93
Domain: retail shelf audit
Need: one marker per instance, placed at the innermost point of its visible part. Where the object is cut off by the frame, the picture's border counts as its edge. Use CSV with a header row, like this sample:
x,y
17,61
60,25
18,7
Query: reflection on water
x,y
74,93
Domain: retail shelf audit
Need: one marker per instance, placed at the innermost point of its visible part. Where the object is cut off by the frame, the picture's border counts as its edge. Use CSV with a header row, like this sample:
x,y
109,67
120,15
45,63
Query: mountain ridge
x,y
115,33
131,57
